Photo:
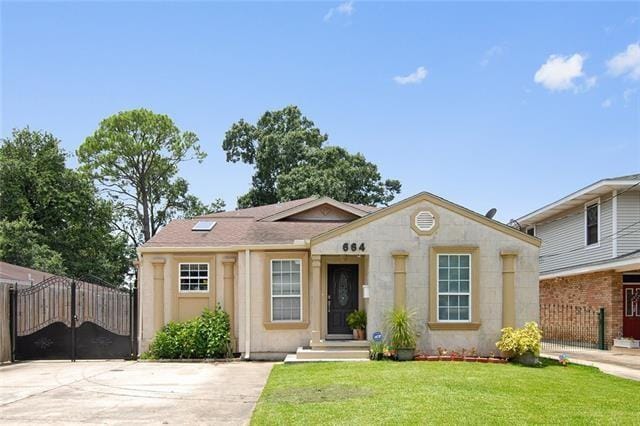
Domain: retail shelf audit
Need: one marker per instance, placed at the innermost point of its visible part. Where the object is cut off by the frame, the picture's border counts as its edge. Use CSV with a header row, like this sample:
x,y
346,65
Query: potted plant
x,y
357,321
521,344
376,351
401,328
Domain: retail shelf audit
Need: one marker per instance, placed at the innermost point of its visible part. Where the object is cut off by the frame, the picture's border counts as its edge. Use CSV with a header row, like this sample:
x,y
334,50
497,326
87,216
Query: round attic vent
x,y
425,221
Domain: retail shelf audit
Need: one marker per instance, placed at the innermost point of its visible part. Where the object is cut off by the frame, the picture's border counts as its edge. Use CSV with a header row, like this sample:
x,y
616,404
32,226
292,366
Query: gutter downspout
x,y
247,304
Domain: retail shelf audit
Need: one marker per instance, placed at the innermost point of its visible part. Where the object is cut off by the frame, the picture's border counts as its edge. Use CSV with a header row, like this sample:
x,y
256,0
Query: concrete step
x,y
293,359
333,353
340,344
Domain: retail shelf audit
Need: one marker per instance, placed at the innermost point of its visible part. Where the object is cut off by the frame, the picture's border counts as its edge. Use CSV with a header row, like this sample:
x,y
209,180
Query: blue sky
x,y
507,105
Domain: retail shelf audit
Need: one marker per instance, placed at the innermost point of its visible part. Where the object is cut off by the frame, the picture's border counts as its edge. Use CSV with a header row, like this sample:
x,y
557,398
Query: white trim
x,y
594,202
614,223
622,264
584,191
180,277
271,295
453,294
247,304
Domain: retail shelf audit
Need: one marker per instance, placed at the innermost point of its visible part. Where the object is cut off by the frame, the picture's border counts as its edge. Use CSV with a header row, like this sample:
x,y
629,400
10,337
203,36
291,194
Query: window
x,y
194,277
286,290
454,287
632,302
592,212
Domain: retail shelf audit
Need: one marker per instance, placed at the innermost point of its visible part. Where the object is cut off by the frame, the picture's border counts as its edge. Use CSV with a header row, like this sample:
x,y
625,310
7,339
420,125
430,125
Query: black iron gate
x,y
64,318
568,326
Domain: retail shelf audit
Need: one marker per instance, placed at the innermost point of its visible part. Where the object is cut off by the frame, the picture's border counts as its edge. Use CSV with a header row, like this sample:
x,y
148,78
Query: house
x,y
590,253
289,273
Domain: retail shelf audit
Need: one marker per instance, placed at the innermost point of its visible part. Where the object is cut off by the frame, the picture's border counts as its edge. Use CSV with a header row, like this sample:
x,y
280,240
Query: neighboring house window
x,y
454,287
194,277
286,290
592,223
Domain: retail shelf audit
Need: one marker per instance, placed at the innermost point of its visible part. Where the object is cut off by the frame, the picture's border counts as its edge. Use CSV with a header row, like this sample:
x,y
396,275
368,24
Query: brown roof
x,y
15,273
243,227
262,211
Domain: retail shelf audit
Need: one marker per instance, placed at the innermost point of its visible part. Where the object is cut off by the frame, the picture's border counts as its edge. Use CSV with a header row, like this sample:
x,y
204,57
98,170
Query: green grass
x,y
445,393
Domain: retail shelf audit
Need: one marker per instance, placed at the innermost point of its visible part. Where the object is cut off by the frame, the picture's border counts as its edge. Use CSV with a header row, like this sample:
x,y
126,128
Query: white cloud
x,y
414,78
626,63
564,73
491,53
607,103
345,9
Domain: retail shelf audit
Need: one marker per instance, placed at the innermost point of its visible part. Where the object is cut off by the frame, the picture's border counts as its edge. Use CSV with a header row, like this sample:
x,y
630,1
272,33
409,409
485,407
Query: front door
x,y
631,315
342,297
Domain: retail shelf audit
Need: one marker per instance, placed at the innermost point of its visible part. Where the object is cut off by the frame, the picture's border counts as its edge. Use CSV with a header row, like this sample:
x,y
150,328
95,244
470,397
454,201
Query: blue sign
x,y
377,336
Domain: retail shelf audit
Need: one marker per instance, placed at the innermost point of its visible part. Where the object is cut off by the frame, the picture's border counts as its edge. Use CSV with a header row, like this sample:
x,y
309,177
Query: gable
x,y
323,209
322,213
435,201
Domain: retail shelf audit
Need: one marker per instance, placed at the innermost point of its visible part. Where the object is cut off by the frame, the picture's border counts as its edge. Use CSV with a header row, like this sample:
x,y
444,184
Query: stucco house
x,y
288,274
590,255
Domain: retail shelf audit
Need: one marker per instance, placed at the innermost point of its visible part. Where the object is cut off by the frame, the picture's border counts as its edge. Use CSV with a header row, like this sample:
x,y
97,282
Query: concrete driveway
x,y
128,392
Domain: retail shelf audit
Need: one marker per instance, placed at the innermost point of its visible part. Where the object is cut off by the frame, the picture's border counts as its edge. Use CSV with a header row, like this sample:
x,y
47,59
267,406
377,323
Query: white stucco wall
x,y
393,232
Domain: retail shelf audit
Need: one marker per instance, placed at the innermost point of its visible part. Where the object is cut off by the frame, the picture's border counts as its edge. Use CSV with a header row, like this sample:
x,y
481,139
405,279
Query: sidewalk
x,y
617,364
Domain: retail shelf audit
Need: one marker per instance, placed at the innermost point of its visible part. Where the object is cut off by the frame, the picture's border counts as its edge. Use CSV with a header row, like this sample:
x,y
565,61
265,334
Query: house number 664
x,y
353,247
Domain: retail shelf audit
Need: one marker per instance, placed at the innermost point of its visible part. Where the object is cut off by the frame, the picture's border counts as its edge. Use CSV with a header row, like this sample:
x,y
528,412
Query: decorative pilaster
x,y
316,294
228,276
508,288
158,292
400,278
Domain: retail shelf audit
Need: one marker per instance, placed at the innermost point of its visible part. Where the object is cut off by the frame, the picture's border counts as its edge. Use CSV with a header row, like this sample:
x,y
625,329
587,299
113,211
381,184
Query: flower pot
x,y
626,343
359,334
528,359
405,354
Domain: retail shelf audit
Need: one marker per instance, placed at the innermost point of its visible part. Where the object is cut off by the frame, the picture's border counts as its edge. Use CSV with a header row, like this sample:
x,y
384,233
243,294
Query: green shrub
x,y
208,336
401,328
519,341
357,320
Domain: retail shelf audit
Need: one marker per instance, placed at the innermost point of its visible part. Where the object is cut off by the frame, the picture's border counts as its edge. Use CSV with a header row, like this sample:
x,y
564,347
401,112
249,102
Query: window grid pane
x,y
454,287
286,290
194,277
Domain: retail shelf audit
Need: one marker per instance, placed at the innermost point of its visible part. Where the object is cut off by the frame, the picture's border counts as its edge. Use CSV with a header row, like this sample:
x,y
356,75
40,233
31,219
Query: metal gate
x,y
567,327
64,318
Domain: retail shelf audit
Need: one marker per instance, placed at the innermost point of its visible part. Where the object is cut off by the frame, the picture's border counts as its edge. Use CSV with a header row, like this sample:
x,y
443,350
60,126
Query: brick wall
x,y
595,290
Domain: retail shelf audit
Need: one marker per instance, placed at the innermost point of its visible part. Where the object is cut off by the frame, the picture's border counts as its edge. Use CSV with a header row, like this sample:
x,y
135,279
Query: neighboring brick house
x,y
590,254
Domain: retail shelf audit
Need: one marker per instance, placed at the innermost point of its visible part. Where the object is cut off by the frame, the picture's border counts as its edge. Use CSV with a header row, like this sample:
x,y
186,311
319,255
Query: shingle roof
x,y
243,227
15,273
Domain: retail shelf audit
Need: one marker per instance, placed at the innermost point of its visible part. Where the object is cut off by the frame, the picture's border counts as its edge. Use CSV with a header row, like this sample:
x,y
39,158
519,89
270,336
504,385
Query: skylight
x,y
204,225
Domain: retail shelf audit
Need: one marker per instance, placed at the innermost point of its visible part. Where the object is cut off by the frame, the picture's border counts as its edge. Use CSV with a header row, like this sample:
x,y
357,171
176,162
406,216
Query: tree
x,y
51,217
291,161
134,157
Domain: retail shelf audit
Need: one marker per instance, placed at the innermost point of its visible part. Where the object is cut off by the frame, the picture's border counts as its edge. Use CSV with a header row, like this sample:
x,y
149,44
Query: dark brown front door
x,y
342,297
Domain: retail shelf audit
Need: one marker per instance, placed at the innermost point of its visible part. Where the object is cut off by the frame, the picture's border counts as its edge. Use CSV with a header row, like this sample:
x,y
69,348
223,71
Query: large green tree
x,y
51,216
134,156
291,161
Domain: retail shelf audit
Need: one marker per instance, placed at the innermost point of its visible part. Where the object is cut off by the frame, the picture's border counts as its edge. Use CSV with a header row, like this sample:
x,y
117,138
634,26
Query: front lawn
x,y
445,393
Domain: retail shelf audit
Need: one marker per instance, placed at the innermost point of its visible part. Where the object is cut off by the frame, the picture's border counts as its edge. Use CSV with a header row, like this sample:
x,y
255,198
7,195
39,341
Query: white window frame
x,y
271,295
454,294
180,290
586,207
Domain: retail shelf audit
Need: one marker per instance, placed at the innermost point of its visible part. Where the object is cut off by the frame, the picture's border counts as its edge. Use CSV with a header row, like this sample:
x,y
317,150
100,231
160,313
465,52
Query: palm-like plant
x,y
401,328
